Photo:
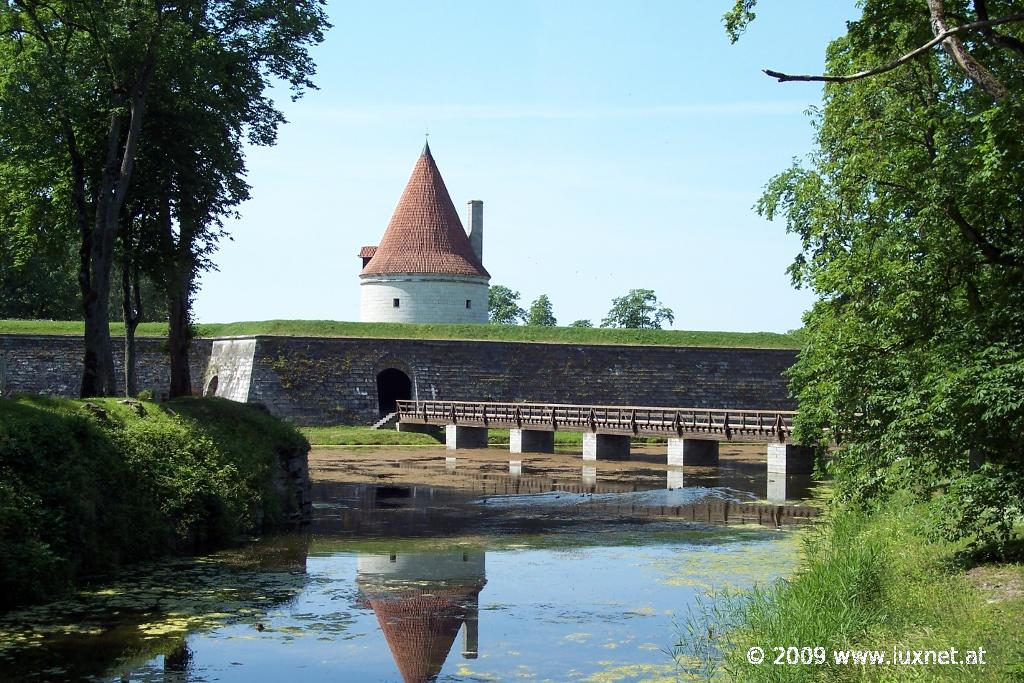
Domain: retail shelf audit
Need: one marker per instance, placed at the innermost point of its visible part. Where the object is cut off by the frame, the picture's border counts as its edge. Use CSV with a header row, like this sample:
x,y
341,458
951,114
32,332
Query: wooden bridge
x,y
702,423
693,433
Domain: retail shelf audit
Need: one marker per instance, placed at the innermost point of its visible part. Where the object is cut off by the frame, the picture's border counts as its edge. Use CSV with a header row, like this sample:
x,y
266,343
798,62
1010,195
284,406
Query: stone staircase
x,y
386,422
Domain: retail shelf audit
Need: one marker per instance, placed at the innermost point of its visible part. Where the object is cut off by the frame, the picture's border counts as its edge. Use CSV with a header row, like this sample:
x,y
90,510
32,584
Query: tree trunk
x,y
178,274
180,336
98,364
131,382
131,306
92,370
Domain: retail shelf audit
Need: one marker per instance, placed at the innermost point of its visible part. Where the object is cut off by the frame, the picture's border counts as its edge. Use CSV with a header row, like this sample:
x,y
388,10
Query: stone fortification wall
x,y
313,381
334,380
52,364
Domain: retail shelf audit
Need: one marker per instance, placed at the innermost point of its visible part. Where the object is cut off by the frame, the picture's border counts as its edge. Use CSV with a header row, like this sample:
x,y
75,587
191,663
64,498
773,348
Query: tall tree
x,y
639,309
81,71
541,313
503,306
80,74
911,214
215,98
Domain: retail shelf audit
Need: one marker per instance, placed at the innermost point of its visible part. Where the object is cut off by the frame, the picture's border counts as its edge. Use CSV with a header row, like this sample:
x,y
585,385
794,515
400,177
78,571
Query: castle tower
x,y
422,600
425,269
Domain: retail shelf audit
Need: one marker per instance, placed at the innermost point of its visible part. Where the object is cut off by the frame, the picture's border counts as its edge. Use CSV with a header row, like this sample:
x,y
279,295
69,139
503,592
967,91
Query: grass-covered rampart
x,y
870,582
88,486
520,333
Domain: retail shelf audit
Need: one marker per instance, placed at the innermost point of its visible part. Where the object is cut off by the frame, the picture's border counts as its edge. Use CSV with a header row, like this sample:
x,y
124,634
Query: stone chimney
x,y
475,224
471,630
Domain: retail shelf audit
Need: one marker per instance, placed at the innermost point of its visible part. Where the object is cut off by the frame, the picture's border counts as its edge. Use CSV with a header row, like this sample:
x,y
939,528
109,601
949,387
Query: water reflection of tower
x,y
421,600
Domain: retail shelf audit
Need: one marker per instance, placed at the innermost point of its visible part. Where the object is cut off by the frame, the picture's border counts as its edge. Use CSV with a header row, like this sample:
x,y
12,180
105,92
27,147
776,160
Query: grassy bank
x,y
343,435
333,328
88,486
875,582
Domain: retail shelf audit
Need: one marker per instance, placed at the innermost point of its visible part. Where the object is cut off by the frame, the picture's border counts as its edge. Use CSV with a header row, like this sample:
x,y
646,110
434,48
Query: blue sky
x,y
616,145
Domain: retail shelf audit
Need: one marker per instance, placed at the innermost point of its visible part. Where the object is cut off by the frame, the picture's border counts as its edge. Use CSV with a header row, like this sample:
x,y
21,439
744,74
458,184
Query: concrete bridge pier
x,y
787,458
605,446
457,437
692,452
783,487
589,476
531,441
674,479
515,468
432,430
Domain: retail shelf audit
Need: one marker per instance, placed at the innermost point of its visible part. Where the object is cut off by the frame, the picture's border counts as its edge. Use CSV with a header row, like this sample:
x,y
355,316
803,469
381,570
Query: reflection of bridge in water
x,y
738,475
416,510
693,434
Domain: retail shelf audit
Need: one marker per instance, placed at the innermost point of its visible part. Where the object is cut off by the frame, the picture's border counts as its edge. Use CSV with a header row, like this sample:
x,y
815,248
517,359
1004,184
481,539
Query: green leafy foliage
x,y
738,18
581,324
541,313
87,487
503,306
911,216
638,309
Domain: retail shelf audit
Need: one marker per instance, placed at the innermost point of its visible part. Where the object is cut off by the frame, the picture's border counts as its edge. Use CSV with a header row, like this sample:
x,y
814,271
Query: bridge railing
x,y
727,423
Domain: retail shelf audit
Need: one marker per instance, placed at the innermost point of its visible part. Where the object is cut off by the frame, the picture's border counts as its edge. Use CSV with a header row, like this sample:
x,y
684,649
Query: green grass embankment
x,y
520,333
88,486
343,435
874,582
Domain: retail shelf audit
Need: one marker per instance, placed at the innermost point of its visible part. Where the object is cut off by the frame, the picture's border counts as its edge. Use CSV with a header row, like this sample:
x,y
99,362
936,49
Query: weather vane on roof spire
x,y
426,143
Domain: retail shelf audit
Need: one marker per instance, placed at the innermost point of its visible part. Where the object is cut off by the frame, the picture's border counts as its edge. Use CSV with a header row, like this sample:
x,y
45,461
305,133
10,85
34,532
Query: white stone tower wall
x,y
423,299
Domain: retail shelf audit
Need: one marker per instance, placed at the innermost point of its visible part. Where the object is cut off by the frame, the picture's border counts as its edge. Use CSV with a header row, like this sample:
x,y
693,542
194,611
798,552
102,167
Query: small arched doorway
x,y
211,388
393,385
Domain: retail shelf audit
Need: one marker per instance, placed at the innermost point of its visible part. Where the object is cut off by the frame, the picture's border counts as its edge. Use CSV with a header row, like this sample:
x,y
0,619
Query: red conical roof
x,y
420,627
425,234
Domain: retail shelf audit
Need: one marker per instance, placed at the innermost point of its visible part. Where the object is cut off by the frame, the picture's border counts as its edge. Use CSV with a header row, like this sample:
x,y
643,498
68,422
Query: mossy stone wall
x,y
323,380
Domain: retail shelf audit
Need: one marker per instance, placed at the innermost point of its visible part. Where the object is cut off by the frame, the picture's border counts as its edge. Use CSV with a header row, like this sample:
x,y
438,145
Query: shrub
x,y
87,486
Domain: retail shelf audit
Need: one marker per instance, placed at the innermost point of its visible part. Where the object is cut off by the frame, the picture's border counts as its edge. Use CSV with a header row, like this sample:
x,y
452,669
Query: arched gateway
x,y
393,385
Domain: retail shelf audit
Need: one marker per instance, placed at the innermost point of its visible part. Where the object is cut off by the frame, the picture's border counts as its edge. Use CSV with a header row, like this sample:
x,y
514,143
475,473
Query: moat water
x,y
420,568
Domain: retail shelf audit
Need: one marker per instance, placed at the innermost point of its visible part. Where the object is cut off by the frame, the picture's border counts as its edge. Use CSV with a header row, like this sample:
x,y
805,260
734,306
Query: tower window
x,y
469,303
395,303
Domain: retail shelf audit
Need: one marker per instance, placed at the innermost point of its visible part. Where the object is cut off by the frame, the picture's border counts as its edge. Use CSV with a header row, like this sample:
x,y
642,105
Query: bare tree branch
x,y
963,28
